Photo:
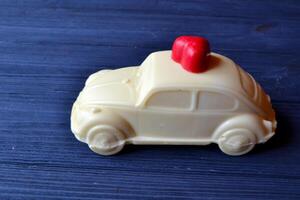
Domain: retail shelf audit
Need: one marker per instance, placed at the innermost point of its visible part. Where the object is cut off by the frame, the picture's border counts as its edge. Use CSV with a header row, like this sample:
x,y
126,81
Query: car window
x,y
170,100
215,101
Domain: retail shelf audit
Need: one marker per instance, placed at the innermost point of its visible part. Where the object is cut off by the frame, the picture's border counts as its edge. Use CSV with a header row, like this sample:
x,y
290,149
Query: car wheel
x,y
237,142
105,140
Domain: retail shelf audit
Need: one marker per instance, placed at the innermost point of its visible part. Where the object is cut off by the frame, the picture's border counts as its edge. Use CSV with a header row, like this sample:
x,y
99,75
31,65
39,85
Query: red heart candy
x,y
191,52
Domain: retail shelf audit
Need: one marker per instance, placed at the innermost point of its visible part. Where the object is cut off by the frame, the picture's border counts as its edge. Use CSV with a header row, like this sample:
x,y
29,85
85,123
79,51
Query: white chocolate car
x,y
163,102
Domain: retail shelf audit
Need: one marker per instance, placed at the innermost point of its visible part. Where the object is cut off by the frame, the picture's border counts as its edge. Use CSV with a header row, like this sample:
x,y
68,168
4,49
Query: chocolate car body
x,y
161,103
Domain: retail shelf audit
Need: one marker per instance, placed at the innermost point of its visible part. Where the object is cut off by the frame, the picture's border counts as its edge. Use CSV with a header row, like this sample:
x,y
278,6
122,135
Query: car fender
x,y
101,116
251,122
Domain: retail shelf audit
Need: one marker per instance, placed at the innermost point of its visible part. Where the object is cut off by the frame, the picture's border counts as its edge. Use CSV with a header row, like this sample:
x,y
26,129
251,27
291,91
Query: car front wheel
x,y
237,142
105,140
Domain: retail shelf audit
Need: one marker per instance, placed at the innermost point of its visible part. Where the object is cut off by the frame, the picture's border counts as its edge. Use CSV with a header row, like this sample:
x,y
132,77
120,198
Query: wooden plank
x,y
47,50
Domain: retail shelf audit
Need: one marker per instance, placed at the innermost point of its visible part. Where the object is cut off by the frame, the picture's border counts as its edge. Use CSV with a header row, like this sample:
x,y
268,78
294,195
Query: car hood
x,y
115,87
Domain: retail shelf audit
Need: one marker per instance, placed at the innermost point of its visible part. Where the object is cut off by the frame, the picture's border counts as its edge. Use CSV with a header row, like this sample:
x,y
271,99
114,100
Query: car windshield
x,y
139,74
143,79
142,75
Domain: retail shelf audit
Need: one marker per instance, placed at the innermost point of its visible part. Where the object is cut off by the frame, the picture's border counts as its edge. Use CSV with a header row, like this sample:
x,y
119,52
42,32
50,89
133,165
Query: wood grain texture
x,y
49,47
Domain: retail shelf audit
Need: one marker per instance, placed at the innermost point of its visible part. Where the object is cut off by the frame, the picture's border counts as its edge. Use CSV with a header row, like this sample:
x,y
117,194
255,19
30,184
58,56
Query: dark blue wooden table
x,y
47,50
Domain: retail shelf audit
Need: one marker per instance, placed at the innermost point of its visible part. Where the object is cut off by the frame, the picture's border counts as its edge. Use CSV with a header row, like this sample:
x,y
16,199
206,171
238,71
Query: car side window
x,y
180,100
215,101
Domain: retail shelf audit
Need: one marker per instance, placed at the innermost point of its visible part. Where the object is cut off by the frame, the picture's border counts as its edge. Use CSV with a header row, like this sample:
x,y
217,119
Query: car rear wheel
x,y
105,140
237,142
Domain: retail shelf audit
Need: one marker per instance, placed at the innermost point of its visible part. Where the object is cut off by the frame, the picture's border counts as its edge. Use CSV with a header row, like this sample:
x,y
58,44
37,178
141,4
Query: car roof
x,y
162,72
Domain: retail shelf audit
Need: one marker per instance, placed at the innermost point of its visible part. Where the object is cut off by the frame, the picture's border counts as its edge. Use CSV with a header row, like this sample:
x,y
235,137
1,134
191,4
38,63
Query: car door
x,y
167,114
213,108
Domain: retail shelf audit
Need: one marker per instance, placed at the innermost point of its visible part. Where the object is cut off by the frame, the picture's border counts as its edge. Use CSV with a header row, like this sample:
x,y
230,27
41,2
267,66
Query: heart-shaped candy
x,y
191,52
